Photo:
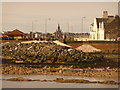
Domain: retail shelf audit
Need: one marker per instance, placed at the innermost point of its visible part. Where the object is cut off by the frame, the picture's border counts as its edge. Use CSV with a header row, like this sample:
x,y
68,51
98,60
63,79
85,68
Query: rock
x,y
42,52
60,71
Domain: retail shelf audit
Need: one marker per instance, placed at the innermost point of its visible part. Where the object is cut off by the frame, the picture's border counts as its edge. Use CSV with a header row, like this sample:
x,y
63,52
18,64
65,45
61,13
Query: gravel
x,y
88,48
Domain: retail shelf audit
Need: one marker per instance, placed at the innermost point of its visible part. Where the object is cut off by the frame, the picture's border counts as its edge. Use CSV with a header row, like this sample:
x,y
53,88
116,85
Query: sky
x,y
24,15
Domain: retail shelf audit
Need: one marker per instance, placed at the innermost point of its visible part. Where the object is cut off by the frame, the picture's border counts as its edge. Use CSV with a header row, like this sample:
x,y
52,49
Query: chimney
x,y
105,14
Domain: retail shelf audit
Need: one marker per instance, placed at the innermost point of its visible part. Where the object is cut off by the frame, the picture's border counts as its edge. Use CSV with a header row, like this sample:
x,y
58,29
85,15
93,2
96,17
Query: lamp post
x,y
82,23
68,26
33,27
46,27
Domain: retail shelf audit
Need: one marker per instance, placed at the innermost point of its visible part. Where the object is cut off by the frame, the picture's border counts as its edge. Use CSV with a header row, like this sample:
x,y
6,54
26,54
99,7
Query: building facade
x,y
58,33
105,28
16,34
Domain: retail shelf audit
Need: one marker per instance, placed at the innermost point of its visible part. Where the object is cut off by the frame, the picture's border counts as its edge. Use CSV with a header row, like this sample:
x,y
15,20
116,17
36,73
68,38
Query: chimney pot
x,y
105,14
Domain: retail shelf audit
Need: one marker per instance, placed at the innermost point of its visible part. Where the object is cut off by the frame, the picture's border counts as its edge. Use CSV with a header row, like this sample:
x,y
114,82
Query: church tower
x,y
58,33
58,27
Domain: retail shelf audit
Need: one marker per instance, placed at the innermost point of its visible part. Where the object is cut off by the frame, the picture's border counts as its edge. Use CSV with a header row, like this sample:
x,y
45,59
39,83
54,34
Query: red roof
x,y
15,33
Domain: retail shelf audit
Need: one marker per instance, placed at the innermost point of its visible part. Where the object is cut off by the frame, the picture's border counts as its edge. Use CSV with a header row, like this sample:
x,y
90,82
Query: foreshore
x,y
76,63
61,70
62,80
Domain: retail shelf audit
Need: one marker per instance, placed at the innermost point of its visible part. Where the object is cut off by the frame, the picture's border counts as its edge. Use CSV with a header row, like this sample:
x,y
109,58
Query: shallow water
x,y
38,84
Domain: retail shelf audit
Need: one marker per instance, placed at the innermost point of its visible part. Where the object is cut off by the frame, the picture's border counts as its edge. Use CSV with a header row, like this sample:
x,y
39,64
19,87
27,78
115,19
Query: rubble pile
x,y
40,52
88,48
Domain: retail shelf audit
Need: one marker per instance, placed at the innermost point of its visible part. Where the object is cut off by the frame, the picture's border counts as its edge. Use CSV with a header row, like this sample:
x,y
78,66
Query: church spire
x,y
58,27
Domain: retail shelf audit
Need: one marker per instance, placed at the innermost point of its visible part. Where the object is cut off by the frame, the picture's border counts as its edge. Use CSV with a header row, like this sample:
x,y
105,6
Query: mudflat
x,y
60,70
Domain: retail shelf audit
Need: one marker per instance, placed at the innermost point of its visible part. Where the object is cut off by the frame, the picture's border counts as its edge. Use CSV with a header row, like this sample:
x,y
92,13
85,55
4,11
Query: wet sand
x,y
61,70
62,80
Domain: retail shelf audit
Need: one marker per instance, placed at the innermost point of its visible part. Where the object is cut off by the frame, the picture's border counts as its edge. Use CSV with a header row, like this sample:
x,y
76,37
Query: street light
x,y
68,26
82,23
46,27
33,27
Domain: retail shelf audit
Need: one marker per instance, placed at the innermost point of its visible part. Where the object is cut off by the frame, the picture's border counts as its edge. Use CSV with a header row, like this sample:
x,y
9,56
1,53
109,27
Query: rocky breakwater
x,y
45,52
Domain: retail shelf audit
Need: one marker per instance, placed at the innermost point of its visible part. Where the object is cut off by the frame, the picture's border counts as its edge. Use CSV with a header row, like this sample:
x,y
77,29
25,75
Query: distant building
x,y
30,35
16,34
58,33
76,36
105,28
3,36
37,35
81,36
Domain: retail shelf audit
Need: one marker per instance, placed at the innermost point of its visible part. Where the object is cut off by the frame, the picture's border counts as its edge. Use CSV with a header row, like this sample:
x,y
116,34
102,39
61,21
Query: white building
x,y
95,32
105,28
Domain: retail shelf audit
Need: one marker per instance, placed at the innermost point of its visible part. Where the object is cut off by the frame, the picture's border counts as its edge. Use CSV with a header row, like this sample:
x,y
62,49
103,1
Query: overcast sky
x,y
20,15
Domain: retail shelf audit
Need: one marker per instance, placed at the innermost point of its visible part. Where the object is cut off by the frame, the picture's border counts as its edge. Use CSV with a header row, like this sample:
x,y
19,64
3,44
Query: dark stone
x,y
43,51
